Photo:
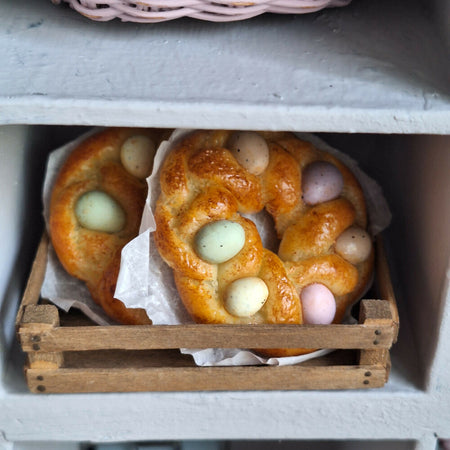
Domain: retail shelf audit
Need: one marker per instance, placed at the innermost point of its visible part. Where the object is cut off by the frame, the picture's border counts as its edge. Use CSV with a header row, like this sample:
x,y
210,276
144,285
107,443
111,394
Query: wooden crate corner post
x,y
377,313
38,321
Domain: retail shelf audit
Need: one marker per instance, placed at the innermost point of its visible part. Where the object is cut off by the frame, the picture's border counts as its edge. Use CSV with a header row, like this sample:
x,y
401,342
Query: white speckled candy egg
x,y
354,245
98,211
137,154
318,303
219,241
321,182
246,296
250,150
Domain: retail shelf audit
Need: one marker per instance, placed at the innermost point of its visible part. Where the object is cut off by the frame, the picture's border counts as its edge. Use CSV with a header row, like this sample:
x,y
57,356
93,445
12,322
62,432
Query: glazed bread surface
x,y
210,179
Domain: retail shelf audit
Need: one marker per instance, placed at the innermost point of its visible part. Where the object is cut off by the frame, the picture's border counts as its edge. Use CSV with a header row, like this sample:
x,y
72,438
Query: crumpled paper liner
x,y
145,281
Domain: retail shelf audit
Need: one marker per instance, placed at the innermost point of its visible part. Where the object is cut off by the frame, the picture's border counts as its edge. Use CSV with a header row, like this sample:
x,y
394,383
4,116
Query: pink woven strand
x,y
148,11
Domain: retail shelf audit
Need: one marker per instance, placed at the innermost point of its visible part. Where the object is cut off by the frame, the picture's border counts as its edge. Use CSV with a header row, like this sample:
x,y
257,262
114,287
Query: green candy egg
x,y
98,211
219,241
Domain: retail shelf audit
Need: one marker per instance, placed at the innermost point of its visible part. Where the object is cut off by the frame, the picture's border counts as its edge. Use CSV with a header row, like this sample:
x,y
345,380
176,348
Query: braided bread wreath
x,y
222,271
96,207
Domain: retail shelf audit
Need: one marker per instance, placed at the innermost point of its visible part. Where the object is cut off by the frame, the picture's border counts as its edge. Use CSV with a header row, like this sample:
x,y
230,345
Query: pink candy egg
x,y
321,182
319,305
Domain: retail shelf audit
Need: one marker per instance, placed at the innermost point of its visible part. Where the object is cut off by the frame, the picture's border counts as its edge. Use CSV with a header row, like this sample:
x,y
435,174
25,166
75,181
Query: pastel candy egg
x,y
246,296
321,182
319,305
250,150
354,245
219,241
136,155
98,211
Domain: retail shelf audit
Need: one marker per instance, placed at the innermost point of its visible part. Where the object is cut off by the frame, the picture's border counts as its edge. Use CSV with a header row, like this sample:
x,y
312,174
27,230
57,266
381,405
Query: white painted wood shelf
x,y
370,67
374,77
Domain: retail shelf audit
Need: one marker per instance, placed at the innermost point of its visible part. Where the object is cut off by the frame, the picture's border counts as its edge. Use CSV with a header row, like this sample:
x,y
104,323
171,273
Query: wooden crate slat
x,y
384,283
35,280
209,336
205,379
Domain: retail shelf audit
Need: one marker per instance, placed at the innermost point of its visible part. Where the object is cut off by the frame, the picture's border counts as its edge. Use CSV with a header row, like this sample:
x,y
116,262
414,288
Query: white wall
x,y
13,144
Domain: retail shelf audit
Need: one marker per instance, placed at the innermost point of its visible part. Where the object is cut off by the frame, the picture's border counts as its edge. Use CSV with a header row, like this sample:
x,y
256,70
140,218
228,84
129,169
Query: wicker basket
x,y
148,11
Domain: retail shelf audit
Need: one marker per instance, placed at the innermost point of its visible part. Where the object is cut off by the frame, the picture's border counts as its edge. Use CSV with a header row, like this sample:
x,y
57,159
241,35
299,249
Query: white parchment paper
x,y
145,281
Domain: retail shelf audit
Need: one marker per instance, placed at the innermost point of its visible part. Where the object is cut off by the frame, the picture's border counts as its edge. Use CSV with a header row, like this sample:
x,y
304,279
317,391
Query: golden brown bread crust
x,y
94,256
202,182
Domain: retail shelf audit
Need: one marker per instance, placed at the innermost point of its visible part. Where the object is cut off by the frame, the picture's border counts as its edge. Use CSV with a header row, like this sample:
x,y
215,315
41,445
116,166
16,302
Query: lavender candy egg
x,y
319,305
321,182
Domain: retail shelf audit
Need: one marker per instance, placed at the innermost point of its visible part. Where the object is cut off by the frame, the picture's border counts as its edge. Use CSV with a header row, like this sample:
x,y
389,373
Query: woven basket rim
x,y
147,11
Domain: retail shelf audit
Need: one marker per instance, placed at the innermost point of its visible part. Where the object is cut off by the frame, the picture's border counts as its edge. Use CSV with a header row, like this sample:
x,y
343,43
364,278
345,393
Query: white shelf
x,y
377,414
369,67
408,408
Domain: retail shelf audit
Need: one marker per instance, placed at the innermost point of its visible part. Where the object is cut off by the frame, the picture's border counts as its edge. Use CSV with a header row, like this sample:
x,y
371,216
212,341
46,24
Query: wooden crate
x,y
68,353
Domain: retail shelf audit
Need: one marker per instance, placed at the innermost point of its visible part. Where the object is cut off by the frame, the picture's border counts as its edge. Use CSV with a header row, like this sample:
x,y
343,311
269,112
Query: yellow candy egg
x,y
246,296
250,150
136,155
354,245
98,211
